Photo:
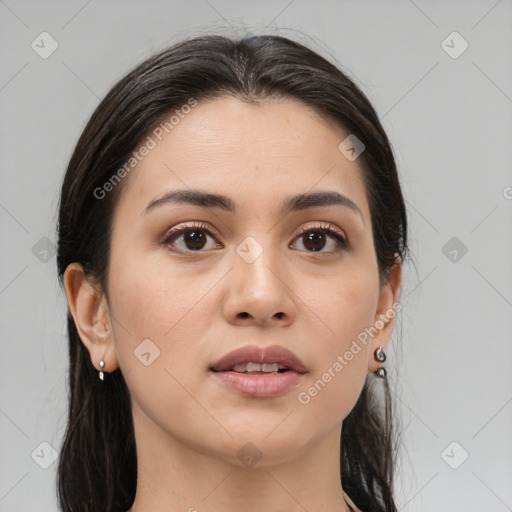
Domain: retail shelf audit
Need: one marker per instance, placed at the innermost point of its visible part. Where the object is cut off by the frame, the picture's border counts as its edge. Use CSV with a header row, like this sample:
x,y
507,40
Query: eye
x,y
191,238
325,239
317,238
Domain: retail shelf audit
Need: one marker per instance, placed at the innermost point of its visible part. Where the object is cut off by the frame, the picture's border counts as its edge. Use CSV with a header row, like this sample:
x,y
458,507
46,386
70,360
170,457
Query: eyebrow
x,y
290,204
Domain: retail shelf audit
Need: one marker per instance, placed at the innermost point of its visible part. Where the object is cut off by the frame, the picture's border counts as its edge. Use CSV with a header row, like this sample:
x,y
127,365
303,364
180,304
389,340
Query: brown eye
x,y
195,240
314,241
190,239
317,239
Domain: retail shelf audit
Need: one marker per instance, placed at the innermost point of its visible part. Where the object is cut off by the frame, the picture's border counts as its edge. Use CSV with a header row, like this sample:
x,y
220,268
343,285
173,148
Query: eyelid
x,y
192,225
326,226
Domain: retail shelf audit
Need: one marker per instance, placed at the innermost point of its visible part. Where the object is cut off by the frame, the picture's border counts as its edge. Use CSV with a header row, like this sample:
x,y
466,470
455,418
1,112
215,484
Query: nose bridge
x,y
259,291
258,264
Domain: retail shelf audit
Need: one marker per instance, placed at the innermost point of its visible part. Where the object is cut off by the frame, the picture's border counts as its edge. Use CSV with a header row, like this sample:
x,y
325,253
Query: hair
x,y
97,467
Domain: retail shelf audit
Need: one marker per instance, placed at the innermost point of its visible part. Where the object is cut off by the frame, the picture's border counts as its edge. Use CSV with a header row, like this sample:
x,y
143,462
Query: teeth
x,y
252,367
257,367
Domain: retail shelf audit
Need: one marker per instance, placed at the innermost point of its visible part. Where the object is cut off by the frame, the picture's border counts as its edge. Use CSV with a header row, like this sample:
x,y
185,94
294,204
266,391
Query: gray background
x,y
450,123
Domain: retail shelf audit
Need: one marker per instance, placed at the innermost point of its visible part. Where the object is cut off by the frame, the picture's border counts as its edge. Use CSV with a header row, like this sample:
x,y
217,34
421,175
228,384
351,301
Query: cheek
x,y
156,318
346,306
162,314
333,389
151,300
347,310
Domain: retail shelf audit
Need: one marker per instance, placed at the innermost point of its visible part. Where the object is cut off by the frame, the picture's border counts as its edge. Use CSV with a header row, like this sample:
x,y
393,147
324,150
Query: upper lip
x,y
257,354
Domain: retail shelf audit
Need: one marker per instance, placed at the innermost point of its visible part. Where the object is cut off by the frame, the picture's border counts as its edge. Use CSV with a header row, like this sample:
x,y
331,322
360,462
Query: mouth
x,y
259,371
253,358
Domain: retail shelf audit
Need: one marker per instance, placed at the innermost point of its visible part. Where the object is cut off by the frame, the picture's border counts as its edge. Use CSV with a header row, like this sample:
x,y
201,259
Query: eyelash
x,y
327,229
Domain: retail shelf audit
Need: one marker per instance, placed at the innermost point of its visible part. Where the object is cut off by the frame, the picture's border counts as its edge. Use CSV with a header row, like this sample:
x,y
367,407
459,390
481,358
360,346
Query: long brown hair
x,y
97,468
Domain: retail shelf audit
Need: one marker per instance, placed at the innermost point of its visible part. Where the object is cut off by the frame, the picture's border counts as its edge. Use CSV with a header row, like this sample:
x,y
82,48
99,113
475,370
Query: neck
x,y
175,476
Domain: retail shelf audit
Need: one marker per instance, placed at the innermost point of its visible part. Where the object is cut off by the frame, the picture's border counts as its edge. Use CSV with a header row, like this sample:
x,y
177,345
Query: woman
x,y
231,236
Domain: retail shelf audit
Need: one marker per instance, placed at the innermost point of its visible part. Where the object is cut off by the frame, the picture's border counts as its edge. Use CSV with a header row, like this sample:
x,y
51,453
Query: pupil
x,y
195,239
316,239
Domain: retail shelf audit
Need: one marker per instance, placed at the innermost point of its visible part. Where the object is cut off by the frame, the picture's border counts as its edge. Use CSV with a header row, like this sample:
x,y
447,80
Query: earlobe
x,y
89,309
387,309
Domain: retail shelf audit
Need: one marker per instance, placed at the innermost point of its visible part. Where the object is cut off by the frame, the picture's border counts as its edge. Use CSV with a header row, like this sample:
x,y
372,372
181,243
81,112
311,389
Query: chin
x,y
250,447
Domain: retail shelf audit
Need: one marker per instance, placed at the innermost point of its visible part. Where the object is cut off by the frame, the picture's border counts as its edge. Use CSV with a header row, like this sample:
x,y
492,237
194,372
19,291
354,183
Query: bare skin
x,y
197,305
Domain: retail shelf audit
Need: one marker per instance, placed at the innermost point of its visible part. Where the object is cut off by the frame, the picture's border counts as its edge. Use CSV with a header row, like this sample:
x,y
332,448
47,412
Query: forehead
x,y
251,152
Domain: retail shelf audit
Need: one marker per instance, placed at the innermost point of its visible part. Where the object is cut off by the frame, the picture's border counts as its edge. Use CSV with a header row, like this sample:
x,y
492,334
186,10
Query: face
x,y
189,282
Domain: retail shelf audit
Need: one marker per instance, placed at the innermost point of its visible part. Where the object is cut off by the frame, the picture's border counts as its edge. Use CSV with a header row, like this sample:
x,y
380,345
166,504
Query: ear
x,y
89,308
386,311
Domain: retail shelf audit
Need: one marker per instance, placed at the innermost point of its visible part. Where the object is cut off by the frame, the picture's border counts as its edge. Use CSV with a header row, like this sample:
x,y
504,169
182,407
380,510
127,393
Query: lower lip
x,y
260,385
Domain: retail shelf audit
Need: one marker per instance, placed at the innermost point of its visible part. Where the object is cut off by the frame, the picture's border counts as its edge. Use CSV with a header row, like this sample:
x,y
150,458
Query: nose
x,y
259,293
